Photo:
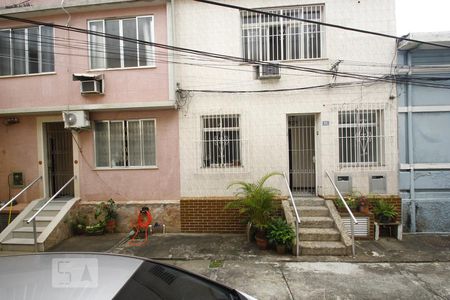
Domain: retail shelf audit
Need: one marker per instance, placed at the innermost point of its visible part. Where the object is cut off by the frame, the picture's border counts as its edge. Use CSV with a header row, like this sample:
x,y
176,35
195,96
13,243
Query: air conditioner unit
x,y
76,119
91,87
268,71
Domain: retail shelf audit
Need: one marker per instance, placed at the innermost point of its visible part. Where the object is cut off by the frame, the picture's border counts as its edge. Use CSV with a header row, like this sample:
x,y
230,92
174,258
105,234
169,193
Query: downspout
x,y
412,189
172,41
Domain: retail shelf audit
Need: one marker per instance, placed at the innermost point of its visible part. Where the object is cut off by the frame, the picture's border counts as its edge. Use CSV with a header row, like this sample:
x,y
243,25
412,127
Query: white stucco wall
x,y
264,116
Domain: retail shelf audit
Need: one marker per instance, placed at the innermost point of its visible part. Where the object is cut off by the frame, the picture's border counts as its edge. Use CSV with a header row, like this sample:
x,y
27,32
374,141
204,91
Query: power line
x,y
387,79
323,23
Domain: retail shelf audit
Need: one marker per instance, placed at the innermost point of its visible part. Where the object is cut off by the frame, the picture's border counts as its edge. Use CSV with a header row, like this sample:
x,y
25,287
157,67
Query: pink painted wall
x,y
122,86
162,183
18,152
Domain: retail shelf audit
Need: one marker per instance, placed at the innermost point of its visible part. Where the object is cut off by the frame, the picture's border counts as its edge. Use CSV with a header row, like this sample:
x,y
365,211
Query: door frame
x,y
43,158
316,148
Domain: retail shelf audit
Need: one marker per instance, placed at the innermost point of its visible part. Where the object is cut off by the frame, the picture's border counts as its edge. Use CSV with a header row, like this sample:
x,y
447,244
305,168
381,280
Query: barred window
x,y
221,141
125,143
26,50
270,38
361,137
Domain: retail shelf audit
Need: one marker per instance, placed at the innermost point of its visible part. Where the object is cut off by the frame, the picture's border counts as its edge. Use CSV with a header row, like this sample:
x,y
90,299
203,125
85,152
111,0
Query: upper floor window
x,y
120,144
361,137
26,50
270,38
115,52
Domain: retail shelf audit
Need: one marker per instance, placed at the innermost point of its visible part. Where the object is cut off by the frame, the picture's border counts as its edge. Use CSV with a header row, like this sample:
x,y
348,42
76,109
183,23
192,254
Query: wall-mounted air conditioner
x,y
76,119
91,87
268,71
90,83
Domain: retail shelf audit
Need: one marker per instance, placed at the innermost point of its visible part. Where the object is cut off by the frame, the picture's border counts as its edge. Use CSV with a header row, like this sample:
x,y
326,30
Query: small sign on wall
x,y
325,123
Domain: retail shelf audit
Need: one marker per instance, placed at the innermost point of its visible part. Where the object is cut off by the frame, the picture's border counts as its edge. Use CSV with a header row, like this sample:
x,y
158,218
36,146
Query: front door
x,y
59,158
302,169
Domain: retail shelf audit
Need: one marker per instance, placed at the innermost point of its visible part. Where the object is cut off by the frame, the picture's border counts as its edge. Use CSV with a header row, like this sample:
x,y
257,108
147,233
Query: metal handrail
x,y
353,220
297,217
20,193
33,218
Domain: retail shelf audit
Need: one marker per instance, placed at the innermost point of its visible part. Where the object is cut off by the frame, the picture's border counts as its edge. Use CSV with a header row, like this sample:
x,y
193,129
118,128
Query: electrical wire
x,y
322,23
388,79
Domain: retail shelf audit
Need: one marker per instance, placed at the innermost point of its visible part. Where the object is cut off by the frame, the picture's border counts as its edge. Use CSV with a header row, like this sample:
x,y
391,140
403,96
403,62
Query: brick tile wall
x,y
208,215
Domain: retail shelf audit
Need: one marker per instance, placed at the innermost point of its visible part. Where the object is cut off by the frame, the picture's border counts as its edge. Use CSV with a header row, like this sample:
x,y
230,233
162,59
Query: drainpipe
x,y
412,189
172,41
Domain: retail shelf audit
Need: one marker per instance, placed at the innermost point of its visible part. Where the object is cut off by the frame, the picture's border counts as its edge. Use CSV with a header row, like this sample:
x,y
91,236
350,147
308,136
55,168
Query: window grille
x,y
125,143
26,51
270,38
221,141
361,137
107,52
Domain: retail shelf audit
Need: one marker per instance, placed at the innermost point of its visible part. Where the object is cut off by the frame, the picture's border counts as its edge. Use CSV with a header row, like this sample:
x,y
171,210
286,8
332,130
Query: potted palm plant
x,y
384,211
280,233
255,201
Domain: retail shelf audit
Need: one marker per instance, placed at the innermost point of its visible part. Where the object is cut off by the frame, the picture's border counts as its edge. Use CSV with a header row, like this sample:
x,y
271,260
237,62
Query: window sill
x,y
303,60
27,75
125,168
120,69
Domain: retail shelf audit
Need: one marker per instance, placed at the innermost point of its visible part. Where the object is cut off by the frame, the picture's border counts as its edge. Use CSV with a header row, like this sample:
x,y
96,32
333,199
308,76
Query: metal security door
x,y
59,158
302,170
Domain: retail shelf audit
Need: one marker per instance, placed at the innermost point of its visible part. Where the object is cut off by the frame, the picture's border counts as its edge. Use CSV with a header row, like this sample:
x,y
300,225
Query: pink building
x,y
115,94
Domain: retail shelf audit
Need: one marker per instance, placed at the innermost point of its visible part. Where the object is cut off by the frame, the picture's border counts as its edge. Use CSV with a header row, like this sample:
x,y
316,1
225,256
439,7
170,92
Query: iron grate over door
x,y
302,170
59,158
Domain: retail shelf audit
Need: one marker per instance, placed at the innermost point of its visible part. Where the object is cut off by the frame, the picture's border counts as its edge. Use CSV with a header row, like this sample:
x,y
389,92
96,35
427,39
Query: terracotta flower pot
x,y
261,242
281,249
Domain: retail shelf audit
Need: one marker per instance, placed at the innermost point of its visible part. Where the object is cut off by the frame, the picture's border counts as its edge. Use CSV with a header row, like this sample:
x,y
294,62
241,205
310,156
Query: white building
x,y
347,127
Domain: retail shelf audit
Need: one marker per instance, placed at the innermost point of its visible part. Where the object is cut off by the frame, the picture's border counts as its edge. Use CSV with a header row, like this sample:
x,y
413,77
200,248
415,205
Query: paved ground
x,y
416,268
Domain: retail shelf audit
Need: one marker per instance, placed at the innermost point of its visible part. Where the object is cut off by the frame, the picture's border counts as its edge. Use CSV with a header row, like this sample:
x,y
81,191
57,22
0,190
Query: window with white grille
x,y
106,52
270,38
221,141
361,137
129,143
26,50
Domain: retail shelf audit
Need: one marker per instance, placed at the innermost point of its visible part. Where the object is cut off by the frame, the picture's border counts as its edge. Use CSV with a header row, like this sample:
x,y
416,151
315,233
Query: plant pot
x,y
281,249
261,242
111,226
364,209
384,219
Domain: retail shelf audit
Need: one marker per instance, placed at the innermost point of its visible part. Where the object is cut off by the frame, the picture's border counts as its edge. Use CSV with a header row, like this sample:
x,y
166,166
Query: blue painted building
x,y
424,133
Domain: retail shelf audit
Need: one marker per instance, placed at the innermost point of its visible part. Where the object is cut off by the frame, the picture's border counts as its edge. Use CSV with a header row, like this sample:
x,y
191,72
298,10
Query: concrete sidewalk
x,y
416,268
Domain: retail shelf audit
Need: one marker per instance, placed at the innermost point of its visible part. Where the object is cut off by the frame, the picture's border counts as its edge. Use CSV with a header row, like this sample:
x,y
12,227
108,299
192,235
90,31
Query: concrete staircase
x,y
318,232
18,236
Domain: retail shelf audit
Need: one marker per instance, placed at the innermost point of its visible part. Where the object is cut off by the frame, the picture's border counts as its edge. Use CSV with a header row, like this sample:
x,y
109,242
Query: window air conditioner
x,y
268,71
91,87
76,119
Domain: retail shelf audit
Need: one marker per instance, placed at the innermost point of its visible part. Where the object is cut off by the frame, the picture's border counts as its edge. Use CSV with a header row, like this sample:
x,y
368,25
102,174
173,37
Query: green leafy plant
x,y
255,201
351,201
384,210
280,232
106,209
78,223
97,228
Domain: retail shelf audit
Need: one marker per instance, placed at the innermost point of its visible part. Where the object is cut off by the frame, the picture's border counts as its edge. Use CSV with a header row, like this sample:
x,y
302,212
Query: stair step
x,y
313,211
18,241
319,234
18,244
316,222
309,202
322,248
26,232
41,221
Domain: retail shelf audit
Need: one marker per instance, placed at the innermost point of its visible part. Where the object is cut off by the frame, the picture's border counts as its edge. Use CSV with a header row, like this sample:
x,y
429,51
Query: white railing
x,y
20,193
33,217
352,217
297,217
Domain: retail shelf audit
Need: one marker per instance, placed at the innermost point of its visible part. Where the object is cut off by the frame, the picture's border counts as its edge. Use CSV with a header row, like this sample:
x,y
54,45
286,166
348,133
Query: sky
x,y
422,16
